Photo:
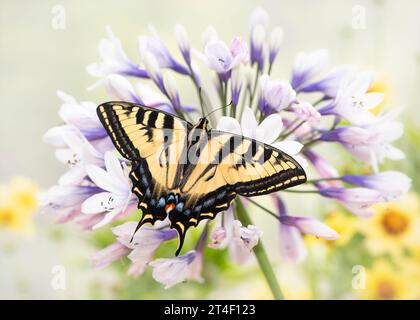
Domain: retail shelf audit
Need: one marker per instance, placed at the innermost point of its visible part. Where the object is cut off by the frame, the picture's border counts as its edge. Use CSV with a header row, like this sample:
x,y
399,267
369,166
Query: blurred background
x,y
37,60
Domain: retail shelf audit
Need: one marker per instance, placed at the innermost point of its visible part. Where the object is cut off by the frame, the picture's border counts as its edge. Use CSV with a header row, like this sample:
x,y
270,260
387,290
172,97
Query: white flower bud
x,y
238,77
170,86
182,38
258,36
259,17
249,75
151,65
276,39
120,88
209,35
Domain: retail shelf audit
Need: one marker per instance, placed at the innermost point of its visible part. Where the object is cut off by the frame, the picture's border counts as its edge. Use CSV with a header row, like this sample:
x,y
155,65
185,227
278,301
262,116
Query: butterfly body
x,y
187,172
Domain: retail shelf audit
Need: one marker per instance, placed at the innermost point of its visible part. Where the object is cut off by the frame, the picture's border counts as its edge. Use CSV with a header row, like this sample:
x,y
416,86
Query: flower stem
x,y
271,213
300,191
254,89
310,143
260,254
285,135
313,181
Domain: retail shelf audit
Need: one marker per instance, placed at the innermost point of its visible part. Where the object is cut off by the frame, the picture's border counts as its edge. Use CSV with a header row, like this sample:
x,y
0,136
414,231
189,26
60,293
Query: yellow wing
x,y
154,141
187,178
228,165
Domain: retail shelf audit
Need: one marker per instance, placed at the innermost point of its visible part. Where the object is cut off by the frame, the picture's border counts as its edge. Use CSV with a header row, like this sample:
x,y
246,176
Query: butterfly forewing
x,y
153,141
255,168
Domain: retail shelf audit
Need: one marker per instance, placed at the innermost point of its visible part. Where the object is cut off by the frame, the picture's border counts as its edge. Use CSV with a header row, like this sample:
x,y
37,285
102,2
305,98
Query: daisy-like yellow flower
x,y
394,227
343,223
18,203
384,282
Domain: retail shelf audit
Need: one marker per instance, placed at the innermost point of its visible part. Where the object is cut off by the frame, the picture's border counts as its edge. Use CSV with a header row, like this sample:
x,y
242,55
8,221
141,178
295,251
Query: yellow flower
x,y
394,227
296,293
383,282
381,85
292,282
17,204
343,223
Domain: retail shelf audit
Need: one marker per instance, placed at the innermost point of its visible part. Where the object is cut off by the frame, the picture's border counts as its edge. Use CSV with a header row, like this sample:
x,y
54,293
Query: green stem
x,y
199,90
260,254
283,137
254,88
270,67
310,143
271,213
318,102
313,181
300,191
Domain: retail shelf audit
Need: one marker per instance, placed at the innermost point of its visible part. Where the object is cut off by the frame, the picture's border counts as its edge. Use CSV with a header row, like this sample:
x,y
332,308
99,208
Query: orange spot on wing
x,y
169,207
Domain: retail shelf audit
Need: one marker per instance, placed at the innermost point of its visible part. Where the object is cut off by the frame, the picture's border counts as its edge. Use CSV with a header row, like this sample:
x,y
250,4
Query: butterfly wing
x,y
154,141
254,168
164,173
228,165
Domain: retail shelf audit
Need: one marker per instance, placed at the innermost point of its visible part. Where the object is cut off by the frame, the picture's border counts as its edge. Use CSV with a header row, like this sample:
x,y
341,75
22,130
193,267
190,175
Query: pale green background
x,y
36,60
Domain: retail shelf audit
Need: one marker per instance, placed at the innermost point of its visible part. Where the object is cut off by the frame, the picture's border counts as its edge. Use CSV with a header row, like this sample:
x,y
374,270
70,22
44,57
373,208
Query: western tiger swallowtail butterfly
x,y
188,172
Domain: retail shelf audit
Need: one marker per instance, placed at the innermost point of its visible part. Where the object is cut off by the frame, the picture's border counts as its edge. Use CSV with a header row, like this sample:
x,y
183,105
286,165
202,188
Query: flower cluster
x,y
315,106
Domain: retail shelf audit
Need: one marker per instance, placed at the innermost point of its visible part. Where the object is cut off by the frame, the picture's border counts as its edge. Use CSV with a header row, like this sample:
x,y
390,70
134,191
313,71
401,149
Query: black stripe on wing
x,y
280,171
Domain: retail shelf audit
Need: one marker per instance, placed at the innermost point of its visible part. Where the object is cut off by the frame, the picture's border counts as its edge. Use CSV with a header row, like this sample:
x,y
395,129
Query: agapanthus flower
x,y
238,238
154,45
353,100
306,66
183,42
329,83
291,228
307,112
77,154
140,249
358,200
275,95
258,31
372,142
114,60
276,39
324,169
173,271
221,58
391,184
116,197
242,241
218,238
78,117
66,201
96,190
119,88
267,131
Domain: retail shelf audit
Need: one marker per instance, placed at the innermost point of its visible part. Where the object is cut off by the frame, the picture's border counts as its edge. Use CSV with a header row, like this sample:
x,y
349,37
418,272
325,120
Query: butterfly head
x,y
199,131
202,124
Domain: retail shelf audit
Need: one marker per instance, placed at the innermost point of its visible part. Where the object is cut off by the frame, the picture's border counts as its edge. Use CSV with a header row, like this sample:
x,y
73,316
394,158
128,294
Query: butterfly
x,y
188,172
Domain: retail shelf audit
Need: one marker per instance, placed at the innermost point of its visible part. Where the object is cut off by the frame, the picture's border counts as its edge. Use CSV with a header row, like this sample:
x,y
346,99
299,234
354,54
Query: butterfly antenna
x,y
271,213
200,94
211,112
